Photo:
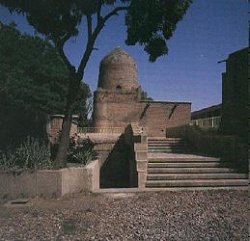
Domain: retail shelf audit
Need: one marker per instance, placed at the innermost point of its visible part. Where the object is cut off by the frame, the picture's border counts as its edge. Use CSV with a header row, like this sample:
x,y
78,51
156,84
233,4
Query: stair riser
x,y
166,148
176,160
195,176
197,184
160,142
167,151
165,139
183,165
188,170
165,143
171,170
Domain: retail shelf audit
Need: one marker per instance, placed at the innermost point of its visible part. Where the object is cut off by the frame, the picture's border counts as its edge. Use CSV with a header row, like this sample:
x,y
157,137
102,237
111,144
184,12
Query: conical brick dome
x,y
118,71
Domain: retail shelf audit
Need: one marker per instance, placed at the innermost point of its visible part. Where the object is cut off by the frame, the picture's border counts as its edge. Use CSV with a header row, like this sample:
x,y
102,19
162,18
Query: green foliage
x,y
17,122
31,154
144,96
82,154
83,104
149,22
152,22
33,83
33,74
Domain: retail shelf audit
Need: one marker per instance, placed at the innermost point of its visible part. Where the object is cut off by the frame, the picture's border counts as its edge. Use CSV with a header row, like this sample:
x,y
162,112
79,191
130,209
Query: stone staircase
x,y
169,145
170,167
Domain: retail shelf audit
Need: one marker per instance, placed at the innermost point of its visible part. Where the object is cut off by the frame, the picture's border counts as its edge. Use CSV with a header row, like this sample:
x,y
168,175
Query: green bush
x,y
7,159
82,153
31,154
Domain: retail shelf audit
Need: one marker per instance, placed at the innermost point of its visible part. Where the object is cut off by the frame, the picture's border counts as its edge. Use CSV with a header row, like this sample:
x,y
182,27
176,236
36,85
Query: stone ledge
x,y
141,165
142,155
50,183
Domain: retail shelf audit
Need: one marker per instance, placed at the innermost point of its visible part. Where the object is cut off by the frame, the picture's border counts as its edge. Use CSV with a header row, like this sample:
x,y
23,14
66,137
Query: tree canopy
x,y
144,96
33,75
150,23
33,83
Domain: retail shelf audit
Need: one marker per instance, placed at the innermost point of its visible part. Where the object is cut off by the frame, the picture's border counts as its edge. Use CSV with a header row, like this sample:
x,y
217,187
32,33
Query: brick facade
x,y
54,126
118,107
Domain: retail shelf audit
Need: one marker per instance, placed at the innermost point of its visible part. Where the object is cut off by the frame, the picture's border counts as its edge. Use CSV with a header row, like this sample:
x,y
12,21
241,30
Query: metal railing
x,y
105,130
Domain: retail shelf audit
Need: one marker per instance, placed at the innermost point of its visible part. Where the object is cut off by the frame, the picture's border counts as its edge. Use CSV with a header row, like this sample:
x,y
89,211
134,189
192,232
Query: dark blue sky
x,y
209,31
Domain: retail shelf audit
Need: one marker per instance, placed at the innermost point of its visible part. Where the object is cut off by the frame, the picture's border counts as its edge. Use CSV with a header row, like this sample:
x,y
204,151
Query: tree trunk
x,y
61,156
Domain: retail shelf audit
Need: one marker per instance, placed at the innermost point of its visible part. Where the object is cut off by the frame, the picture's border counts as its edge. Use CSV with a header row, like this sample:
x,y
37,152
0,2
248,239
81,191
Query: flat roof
x,y
165,101
207,112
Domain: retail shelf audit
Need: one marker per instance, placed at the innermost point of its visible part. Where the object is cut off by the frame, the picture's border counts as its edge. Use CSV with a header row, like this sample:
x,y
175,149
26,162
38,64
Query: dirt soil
x,y
171,216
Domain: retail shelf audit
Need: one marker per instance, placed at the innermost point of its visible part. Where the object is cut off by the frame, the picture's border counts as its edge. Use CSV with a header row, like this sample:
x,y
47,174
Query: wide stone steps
x,y
162,139
170,167
173,157
165,145
198,183
173,142
193,176
189,170
167,151
170,145
186,160
182,164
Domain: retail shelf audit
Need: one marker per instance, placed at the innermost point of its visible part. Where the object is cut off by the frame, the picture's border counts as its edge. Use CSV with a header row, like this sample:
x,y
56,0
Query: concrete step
x,y
198,183
189,170
123,191
159,139
165,142
183,164
186,160
161,147
176,157
167,151
171,145
175,176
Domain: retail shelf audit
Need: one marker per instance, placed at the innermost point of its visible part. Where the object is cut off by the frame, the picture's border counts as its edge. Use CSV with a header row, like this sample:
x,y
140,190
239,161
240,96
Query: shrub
x,y
31,154
7,159
81,153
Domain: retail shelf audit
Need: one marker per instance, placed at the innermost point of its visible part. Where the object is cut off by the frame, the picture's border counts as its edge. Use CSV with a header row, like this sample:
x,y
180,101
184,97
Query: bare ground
x,y
186,215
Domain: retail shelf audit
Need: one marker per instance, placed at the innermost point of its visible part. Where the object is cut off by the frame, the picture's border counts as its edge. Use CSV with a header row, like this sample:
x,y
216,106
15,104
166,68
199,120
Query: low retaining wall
x,y
49,183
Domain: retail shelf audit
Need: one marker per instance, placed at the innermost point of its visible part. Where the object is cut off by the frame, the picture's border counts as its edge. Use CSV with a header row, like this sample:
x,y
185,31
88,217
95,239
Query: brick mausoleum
x,y
117,100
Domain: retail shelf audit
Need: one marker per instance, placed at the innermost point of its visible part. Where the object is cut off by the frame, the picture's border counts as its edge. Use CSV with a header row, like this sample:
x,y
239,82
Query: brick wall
x,y
113,109
117,99
54,126
158,117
